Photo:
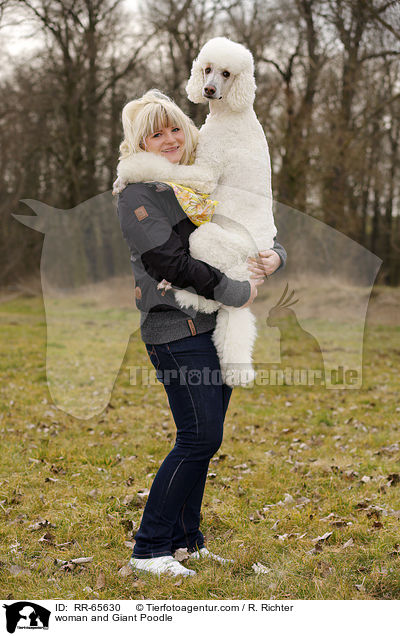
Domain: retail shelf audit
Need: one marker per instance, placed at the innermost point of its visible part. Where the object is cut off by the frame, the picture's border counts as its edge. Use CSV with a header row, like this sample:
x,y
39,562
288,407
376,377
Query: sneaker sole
x,y
141,572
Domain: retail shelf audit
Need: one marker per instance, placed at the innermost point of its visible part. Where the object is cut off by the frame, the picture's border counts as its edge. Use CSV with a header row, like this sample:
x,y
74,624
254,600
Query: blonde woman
x,y
178,342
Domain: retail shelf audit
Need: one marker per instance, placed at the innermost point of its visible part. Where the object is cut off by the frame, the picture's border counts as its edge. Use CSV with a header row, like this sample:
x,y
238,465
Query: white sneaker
x,y
203,553
161,565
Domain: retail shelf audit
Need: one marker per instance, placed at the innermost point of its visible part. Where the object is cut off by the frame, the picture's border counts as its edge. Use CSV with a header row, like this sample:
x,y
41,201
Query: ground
x,y
306,483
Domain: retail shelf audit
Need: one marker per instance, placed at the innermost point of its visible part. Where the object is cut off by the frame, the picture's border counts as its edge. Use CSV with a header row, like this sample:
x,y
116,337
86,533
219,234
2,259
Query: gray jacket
x,y
157,231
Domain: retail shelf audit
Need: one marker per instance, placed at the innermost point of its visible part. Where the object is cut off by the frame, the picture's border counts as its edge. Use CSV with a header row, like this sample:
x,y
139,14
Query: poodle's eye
x,y
226,74
207,70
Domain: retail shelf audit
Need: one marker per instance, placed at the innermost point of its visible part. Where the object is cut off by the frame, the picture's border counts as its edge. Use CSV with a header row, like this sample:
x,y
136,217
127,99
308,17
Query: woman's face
x,y
168,142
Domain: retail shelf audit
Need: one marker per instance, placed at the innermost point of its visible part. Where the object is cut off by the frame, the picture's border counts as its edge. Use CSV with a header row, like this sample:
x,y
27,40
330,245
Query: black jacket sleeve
x,y
149,232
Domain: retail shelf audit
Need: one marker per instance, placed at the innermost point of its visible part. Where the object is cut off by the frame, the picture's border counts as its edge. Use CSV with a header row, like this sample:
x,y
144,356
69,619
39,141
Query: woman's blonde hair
x,y
141,117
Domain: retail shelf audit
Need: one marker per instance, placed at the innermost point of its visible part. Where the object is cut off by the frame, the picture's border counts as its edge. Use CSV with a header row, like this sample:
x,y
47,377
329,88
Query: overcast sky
x,y
19,37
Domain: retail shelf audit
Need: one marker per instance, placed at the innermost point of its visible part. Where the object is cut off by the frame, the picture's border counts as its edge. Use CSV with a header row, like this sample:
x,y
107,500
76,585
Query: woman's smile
x,y
173,149
168,141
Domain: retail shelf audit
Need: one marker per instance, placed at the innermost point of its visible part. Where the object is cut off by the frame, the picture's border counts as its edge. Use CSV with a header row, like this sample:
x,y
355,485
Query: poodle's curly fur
x,y
232,162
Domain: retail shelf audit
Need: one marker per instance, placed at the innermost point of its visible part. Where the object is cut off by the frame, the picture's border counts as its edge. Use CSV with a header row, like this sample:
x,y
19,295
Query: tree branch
x,y
380,54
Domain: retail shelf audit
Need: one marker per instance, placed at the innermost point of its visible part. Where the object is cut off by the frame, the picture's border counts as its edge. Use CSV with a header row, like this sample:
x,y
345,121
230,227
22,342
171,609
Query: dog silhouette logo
x,y
87,286
26,615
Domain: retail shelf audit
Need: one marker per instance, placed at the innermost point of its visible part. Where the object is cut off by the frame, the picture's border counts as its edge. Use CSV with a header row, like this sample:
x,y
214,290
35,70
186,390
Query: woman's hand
x,y
266,263
255,280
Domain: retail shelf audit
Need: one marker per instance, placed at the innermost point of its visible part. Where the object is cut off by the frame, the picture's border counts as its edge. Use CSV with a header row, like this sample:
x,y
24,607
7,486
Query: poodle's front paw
x,y
186,299
119,185
164,285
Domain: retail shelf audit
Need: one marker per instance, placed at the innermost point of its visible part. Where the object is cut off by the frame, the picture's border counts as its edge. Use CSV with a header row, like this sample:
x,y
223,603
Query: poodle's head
x,y
223,70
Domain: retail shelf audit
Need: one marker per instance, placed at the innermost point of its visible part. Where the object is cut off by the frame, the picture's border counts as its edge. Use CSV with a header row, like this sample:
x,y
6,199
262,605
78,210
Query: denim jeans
x,y
190,372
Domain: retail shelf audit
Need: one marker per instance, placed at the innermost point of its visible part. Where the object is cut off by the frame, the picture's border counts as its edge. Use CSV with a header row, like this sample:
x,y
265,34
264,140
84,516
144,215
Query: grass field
x,y
306,483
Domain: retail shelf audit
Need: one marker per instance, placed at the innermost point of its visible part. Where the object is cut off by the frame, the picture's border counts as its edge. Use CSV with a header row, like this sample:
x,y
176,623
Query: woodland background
x,y
328,79
306,484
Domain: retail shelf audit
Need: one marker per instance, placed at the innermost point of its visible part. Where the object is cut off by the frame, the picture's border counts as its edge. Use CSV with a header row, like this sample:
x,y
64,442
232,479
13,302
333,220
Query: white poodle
x,y
232,162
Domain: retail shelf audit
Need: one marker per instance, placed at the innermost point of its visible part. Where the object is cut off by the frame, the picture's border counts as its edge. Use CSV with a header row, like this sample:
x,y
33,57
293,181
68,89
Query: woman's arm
x,y
148,231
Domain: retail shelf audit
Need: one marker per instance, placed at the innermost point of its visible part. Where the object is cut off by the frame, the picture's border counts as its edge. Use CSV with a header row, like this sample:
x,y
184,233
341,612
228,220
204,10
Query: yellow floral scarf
x,y
196,205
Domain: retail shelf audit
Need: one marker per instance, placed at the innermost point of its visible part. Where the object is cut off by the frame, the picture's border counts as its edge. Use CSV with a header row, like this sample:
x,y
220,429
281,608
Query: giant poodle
x,y
233,163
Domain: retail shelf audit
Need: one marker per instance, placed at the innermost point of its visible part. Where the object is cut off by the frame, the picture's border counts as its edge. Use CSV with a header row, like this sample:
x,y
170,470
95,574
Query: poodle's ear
x,y
242,91
194,87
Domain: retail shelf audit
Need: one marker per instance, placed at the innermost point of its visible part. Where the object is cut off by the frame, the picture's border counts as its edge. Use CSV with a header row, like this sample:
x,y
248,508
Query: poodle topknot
x,y
229,56
232,55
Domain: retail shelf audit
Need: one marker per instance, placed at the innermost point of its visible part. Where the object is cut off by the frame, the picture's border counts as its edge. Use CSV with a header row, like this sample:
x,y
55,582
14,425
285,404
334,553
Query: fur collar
x,y
144,166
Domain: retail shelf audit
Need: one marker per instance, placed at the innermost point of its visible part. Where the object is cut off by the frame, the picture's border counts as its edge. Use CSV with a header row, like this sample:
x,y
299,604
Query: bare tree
x,y
327,73
78,35
354,22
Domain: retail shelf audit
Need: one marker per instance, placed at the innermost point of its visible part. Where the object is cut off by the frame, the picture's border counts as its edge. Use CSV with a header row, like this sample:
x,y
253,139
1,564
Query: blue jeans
x,y
190,372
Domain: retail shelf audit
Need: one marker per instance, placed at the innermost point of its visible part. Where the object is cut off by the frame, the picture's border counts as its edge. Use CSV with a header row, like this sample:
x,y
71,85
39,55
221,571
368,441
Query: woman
x,y
178,342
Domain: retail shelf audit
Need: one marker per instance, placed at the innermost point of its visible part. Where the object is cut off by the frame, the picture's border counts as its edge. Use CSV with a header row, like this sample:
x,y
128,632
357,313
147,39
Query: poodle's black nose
x,y
209,90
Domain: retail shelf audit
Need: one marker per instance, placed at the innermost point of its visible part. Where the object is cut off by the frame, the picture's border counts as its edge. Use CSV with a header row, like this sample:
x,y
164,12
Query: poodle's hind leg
x,y
234,336
187,299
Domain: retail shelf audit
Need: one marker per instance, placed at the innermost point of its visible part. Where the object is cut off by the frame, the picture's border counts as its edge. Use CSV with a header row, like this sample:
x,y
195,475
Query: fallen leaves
x,y
259,568
14,547
316,549
336,521
72,564
289,500
318,543
360,586
100,581
128,499
324,537
40,523
142,495
388,450
256,516
393,479
15,570
373,510
323,569
125,571
350,474
396,551
14,500
244,468
290,535
47,538
181,554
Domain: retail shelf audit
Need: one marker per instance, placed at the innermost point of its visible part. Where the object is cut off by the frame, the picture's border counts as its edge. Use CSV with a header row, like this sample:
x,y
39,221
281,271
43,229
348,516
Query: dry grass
x,y
295,464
